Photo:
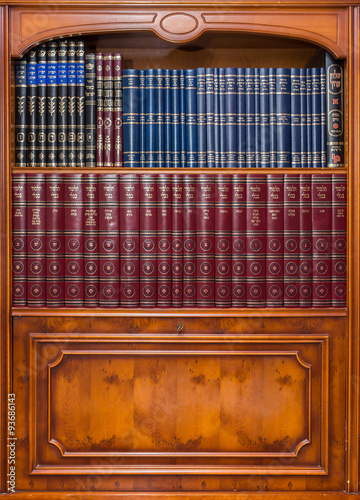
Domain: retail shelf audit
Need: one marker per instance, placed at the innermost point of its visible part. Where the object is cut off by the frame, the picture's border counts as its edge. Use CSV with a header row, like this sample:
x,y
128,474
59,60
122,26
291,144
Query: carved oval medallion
x,y
179,24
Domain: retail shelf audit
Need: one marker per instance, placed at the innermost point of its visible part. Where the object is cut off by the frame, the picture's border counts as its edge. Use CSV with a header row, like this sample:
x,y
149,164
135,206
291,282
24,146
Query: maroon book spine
x,y
118,110
55,248
148,241
274,241
36,240
205,229
19,243
91,241
129,240
256,241
339,239
321,191
222,240
164,219
189,238
99,110
177,242
109,241
74,240
305,242
291,240
238,241
108,153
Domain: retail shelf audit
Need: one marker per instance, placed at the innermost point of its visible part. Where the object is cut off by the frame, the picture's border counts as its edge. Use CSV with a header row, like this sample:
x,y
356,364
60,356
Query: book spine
x,y
62,104
241,118
90,110
150,118
164,229
201,116
175,119
323,116
257,118
230,117
167,119
222,241
118,110
222,118
217,163
250,116
291,240
80,103
283,114
51,108
205,227
131,146
55,292
295,124
272,118
182,105
142,119
99,109
339,244
31,94
264,119
129,240
41,106
303,119
191,142
20,113
36,240
316,117
19,241
238,240
71,101
74,240
305,244
91,241
309,136
321,192
275,241
189,239
209,105
159,119
148,241
109,241
255,241
334,111
177,242
108,156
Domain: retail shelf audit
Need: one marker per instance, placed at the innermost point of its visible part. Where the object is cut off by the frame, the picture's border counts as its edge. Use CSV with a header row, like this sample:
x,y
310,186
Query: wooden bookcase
x,y
249,403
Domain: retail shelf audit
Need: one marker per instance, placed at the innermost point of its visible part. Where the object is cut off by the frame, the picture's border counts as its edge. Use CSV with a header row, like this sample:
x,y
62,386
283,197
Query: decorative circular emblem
x,y
305,245
177,245
238,268
18,244
291,291
205,267
321,268
205,245
255,245
73,291
164,291
223,245
321,244
164,245
223,268
90,267
74,244
238,245
108,268
189,291
108,245
223,291
90,245
275,291
189,245
340,267
305,291
239,291
189,268
129,268
148,268
340,244
148,291
321,291
164,267
73,267
108,291
148,245
255,291
291,245
129,245
36,290
291,268
274,245
18,290
18,267
55,267
274,268
36,244
129,291
55,291
177,268
91,291
305,268
205,291
255,268
177,291
54,244
340,291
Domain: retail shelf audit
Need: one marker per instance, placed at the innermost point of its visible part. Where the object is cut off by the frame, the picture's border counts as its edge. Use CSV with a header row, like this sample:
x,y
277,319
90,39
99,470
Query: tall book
x,y
323,116
131,156
62,104
283,117
19,240
191,142
272,118
31,96
222,118
209,106
71,102
177,241
91,241
238,240
175,119
99,109
201,116
305,242
264,119
41,106
167,119
189,239
223,241
257,118
295,123
142,119
217,162
241,117
338,247
316,117
150,118
51,105
182,113
309,135
159,119
80,103
164,221
90,110
230,117
334,111
20,113
303,119
118,110
108,153
250,116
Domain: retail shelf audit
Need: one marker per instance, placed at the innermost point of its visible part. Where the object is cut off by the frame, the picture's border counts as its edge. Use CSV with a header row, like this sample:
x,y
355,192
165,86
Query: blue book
x,y
231,117
222,118
309,117
191,118
31,90
257,118
167,118
316,117
142,119
272,117
241,118
160,119
201,116
264,119
283,113
303,119
131,141
216,119
295,118
323,117
150,118
210,139
250,116
182,119
175,119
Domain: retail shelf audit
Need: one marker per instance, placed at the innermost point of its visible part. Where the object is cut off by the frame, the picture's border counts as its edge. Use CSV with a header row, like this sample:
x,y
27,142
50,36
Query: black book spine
x,y
31,83
41,106
90,111
51,108
334,111
62,104
20,113
80,103
71,101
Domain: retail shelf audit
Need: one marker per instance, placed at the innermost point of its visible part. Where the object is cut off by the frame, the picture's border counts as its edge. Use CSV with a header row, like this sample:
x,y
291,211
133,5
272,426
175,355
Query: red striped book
x,y
99,110
91,243
238,240
19,243
338,249
223,233
164,220
108,153
177,242
291,240
189,239
118,108
305,242
148,241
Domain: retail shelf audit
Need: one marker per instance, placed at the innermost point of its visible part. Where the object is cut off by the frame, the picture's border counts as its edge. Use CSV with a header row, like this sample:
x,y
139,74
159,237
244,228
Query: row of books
x,y
83,110
112,240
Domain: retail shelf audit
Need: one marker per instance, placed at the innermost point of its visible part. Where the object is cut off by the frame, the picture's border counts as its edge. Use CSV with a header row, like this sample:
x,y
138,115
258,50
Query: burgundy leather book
x,y
36,240
91,241
305,242
205,241
274,241
118,108
238,241
177,242
19,244
321,192
129,240
74,240
109,241
55,247
339,239
189,239
99,110
148,241
164,220
223,233
108,153
291,240
256,240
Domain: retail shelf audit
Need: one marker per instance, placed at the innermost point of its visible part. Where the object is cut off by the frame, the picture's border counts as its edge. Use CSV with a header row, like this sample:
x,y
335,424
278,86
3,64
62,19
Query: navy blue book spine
x,y
250,117
222,118
31,83
309,117
142,118
283,113
272,117
295,118
41,106
71,101
210,138
257,118
160,137
323,116
62,103
201,116
241,118
230,117
191,118
216,119
150,118
303,119
131,118
167,119
175,119
20,113
264,119
316,117
182,104
334,111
